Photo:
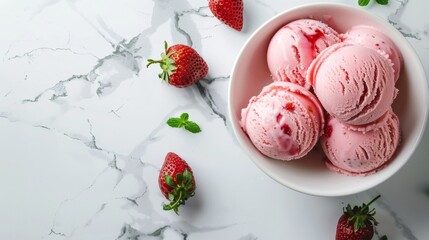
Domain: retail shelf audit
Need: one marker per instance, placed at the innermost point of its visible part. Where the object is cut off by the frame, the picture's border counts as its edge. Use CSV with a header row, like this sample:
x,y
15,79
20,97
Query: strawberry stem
x,y
166,63
175,203
361,216
151,61
181,191
373,200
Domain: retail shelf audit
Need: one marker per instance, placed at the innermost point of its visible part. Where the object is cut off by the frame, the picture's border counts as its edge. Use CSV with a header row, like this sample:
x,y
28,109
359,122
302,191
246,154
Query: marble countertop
x,y
83,133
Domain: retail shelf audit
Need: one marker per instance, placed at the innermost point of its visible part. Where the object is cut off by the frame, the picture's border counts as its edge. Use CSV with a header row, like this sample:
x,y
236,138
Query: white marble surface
x,y
83,133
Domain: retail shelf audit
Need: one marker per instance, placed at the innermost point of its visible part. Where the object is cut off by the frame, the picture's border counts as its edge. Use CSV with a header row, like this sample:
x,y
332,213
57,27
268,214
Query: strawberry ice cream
x,y
353,83
353,77
294,46
353,152
370,37
284,121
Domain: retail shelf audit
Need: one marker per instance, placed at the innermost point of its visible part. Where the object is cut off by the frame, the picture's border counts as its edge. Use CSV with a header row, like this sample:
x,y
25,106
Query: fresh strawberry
x,y
176,181
356,223
229,12
181,65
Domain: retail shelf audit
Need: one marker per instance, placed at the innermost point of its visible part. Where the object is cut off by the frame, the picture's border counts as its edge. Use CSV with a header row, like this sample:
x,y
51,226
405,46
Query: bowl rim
x,y
237,128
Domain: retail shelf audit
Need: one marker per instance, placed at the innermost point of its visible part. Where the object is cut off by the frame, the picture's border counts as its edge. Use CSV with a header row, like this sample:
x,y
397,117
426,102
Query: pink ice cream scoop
x,y
353,152
353,83
371,37
284,121
294,46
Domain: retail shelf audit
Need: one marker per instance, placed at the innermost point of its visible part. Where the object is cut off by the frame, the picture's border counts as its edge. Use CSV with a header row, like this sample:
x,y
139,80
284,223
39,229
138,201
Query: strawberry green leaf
x,y
384,237
183,189
175,122
192,127
170,196
363,2
382,2
169,181
187,177
357,224
179,178
361,216
176,210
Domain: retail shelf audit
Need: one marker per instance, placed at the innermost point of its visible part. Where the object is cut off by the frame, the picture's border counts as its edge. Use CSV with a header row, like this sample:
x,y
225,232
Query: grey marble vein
x,y
248,237
135,200
131,166
32,52
101,208
181,228
53,232
59,89
5,54
124,54
60,206
90,143
399,223
104,36
126,58
210,80
394,20
179,15
132,45
425,190
116,110
42,126
161,13
93,143
206,95
43,6
180,30
113,164
7,94
160,232
116,37
128,233
377,234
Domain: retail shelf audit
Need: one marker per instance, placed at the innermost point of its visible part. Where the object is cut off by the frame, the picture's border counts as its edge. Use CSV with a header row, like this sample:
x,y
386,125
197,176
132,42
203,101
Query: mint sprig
x,y
183,121
363,3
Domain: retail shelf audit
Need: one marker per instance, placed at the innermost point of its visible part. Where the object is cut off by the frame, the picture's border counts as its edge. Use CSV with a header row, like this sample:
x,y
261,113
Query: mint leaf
x,y
192,127
184,116
175,122
363,3
183,121
382,2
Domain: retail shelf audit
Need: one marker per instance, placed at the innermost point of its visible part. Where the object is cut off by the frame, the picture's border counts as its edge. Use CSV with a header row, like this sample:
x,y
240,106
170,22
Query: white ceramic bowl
x,y
309,174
